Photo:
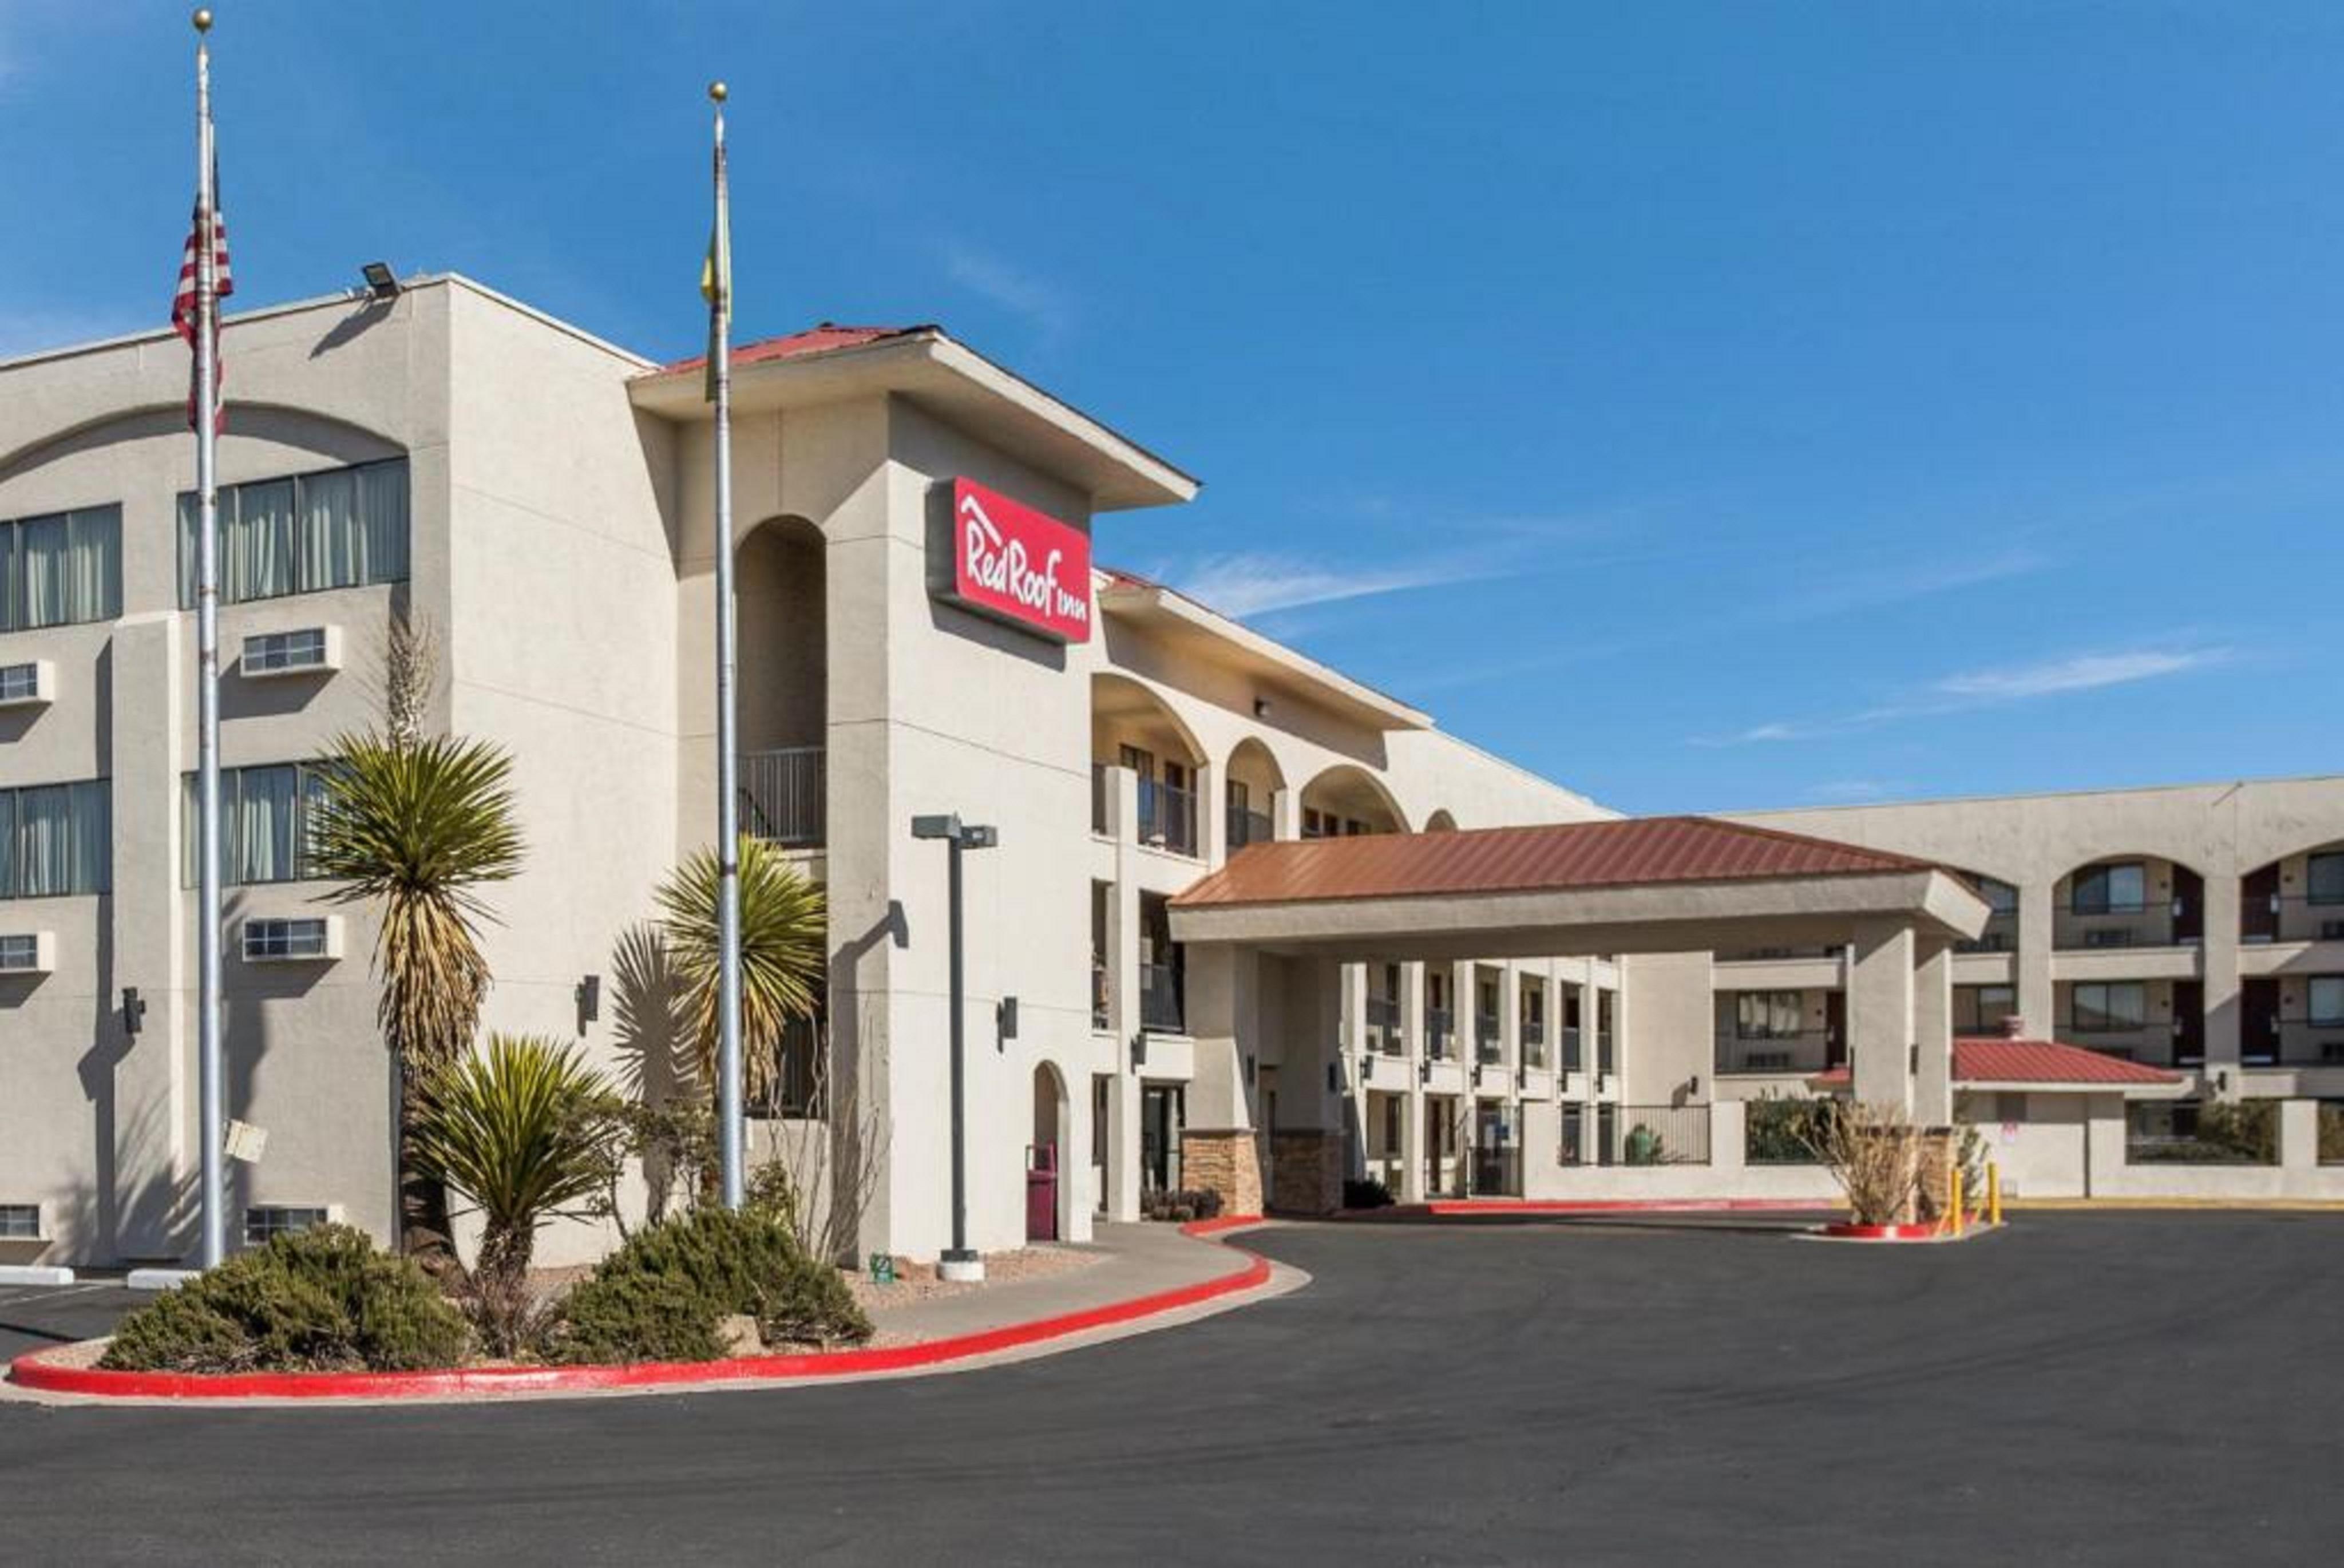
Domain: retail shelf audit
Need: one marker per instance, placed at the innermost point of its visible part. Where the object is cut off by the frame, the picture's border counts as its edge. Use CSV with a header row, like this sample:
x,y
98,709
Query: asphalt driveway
x,y
2105,1388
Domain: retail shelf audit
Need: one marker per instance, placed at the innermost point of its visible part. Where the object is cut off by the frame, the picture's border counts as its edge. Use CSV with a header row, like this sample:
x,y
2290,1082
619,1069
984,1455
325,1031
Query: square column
x,y
1412,1121
1933,1031
1880,1021
1123,1129
2036,1002
1218,1150
1212,815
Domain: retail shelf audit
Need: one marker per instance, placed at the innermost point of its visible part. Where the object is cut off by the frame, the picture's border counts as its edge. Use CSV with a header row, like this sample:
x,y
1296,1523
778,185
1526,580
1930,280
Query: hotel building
x,y
541,500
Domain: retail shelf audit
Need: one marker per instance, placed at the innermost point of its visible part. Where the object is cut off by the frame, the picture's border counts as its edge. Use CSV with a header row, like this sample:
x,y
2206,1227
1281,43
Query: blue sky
x,y
1706,405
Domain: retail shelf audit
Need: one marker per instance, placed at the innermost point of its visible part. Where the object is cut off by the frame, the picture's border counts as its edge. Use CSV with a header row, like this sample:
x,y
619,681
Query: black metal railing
x,y
1247,827
1102,997
1803,1049
1159,998
2290,917
1572,1060
784,792
1383,1021
1167,817
1606,1062
1439,1029
1534,1042
1488,1046
2000,936
1658,1135
2151,923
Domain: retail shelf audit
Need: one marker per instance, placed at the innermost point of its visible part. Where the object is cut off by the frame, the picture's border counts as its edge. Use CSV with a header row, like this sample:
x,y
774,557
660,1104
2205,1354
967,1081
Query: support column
x,y
2218,962
1285,813
1123,1130
1354,1057
1411,1125
1880,1015
1933,1031
2036,1003
1217,1148
1212,817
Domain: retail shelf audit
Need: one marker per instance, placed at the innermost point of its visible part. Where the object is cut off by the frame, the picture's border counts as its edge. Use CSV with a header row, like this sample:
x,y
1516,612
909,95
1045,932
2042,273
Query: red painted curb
x,y
1847,1232
1215,1226
1468,1207
34,1372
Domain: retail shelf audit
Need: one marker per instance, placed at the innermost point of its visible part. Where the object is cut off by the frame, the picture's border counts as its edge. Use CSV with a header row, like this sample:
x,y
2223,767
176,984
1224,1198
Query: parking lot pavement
x,y
35,1317
2083,1387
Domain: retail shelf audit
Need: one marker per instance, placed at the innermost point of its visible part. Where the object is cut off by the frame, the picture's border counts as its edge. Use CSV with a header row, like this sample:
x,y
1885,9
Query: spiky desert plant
x,y
1874,1152
415,827
784,925
521,1132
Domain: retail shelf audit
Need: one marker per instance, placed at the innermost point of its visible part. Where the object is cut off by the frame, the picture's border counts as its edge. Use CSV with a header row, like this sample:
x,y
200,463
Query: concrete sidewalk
x,y
1136,1259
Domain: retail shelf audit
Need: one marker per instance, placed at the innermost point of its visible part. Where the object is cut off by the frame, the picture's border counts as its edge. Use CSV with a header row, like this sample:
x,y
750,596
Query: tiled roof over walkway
x,y
1559,857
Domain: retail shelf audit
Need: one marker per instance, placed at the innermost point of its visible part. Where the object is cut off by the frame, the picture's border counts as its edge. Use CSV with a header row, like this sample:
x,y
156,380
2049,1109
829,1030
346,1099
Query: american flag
x,y
183,303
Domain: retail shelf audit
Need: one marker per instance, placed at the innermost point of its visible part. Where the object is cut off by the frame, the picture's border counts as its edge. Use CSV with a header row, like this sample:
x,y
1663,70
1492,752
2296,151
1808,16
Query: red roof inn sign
x,y
1003,559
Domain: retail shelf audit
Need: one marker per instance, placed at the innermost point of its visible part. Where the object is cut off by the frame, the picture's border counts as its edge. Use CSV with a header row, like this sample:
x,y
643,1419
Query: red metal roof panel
x,y
821,340
1992,1060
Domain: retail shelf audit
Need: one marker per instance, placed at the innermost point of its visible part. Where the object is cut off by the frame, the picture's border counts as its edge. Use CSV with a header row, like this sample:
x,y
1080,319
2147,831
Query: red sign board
x,y
1016,564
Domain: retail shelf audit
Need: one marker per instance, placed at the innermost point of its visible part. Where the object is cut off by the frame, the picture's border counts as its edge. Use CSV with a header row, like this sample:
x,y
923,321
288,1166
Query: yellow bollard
x,y
1993,1193
1954,1198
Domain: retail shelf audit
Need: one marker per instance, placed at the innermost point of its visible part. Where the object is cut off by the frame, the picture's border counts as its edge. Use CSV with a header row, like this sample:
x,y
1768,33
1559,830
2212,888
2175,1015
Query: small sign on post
x,y
245,1143
883,1268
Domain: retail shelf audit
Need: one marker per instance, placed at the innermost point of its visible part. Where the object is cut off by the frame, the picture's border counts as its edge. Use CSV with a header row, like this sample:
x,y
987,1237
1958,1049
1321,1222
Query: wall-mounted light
x,y
1139,1050
380,281
1692,1087
1334,1077
1004,1019
589,1001
133,1010
1252,1069
1424,1072
1261,707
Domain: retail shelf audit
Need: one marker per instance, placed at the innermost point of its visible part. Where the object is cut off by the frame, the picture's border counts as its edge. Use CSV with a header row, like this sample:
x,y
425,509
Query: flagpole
x,y
208,787
728,808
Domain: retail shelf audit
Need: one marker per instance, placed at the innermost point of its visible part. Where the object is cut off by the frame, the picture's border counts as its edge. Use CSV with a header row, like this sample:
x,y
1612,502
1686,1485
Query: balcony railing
x,y
1167,817
1572,1059
1099,793
1101,1009
1809,1051
2290,917
782,794
2000,936
1439,1030
1606,1061
2153,922
1383,1022
1159,998
1248,828
1534,1042
1489,1047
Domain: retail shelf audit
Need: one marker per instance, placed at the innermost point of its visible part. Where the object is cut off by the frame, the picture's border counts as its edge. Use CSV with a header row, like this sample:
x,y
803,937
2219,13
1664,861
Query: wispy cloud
x,y
1012,288
1253,583
1989,688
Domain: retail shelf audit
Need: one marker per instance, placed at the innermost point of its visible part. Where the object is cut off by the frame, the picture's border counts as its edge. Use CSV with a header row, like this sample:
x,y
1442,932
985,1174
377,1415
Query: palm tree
x,y
414,826
784,925
522,1132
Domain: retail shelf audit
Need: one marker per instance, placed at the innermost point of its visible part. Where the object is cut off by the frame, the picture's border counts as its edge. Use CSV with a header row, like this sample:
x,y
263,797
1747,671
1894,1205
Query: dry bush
x,y
1874,1152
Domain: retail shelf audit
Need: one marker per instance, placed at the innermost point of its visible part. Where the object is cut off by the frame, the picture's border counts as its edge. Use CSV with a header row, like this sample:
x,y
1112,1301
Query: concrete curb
x,y
35,1274
38,1372
1473,1208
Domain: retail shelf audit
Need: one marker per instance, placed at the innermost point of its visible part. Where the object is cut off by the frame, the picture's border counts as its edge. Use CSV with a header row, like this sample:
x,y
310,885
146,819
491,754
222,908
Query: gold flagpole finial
x,y
203,20
717,91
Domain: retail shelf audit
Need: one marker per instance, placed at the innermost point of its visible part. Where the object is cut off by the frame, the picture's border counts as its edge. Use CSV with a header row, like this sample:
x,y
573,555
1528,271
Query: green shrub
x,y
321,1300
664,1296
1366,1192
1783,1131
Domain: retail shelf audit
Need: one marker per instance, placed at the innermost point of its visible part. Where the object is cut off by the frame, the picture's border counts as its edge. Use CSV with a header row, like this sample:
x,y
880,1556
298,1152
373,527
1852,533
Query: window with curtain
x,y
264,818
2119,889
1980,1009
344,528
61,570
55,839
1767,1015
2323,876
2108,1008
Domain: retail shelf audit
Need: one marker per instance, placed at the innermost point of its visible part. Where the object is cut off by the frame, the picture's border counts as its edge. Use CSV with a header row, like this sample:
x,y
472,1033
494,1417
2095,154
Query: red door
x,y
1042,1193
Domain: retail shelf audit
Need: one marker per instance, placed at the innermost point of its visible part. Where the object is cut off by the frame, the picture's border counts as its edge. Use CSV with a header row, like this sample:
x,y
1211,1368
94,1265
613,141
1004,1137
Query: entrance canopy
x,y
1649,885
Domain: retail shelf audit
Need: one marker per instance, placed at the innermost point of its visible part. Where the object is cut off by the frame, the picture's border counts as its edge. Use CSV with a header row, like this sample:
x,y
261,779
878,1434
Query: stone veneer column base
x,y
1223,1161
1305,1170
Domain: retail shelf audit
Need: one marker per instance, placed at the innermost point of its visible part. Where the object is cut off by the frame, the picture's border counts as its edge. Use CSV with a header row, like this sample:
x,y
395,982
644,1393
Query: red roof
x,y
1558,857
1994,1059
822,339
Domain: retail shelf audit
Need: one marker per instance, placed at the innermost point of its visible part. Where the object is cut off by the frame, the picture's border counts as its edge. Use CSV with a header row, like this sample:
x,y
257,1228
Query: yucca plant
x,y
521,1132
414,826
785,928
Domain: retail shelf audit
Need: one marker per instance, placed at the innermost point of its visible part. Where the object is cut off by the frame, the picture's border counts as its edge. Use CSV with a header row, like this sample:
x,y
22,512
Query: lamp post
x,y
958,1262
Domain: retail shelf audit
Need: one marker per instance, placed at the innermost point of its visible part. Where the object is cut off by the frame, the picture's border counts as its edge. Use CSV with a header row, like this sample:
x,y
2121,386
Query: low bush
x,y
1366,1193
664,1295
321,1300
1181,1207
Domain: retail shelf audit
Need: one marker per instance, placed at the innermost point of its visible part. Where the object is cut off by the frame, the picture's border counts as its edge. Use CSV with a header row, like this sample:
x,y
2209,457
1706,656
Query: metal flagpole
x,y
728,807
208,786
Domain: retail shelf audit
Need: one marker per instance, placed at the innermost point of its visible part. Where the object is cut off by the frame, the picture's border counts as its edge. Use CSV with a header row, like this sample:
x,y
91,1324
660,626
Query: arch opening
x,y
781,585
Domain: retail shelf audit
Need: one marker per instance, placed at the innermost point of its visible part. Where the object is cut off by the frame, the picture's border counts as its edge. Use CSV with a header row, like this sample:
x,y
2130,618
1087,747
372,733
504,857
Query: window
x,y
2107,1008
62,569
343,529
1574,1144
264,1222
1980,1009
20,1222
55,839
2323,876
280,940
2000,896
20,682
1394,1105
20,954
2115,889
1766,1015
270,653
2326,996
265,823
